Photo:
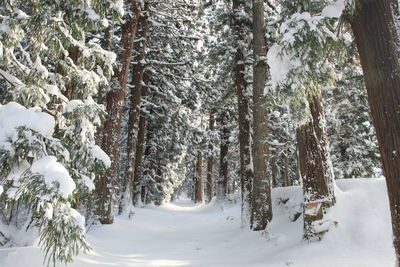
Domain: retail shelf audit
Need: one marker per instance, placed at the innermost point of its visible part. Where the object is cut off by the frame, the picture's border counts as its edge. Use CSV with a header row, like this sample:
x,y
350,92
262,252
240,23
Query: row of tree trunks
x,y
374,27
210,162
244,107
222,186
316,173
115,100
261,207
134,109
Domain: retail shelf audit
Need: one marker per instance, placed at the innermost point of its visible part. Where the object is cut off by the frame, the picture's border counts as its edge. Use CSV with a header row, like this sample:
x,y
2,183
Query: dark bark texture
x,y
315,169
244,107
377,39
261,210
112,127
210,163
134,108
222,188
136,185
199,183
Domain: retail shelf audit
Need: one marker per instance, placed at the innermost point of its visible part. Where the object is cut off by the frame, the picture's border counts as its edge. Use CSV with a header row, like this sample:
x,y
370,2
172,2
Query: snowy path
x,y
184,234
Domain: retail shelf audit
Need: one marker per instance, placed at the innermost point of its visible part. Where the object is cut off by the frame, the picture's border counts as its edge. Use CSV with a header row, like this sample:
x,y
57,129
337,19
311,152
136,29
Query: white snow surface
x,y
184,234
54,172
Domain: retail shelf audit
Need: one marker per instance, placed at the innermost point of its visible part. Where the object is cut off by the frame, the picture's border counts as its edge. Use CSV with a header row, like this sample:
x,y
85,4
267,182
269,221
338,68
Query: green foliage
x,y
354,148
51,60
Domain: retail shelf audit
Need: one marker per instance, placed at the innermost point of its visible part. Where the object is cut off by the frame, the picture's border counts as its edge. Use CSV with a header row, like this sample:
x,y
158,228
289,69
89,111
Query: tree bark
x,y
286,171
140,148
246,164
210,163
222,188
315,168
374,27
261,196
75,53
199,185
112,127
134,109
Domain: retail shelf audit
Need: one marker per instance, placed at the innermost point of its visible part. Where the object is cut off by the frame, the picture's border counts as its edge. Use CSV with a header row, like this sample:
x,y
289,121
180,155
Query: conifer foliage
x,y
51,67
110,105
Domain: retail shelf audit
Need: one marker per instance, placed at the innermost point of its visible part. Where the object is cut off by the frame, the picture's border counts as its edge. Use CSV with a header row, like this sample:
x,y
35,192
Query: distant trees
x,y
352,138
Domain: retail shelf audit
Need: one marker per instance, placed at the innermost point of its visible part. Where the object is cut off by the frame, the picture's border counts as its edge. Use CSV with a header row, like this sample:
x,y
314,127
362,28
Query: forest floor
x,y
184,234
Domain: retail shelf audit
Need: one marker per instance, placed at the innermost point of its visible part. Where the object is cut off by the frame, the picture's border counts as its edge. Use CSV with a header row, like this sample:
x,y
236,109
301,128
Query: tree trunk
x,y
134,109
140,148
286,171
75,53
374,27
210,163
199,190
246,164
159,179
315,169
112,127
261,196
222,188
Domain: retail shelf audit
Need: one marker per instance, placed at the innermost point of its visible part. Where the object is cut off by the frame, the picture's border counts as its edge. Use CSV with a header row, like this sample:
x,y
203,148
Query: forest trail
x,y
184,234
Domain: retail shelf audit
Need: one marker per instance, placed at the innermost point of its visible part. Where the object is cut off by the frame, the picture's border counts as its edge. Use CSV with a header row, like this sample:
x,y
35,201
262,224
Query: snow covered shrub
x,y
29,175
51,69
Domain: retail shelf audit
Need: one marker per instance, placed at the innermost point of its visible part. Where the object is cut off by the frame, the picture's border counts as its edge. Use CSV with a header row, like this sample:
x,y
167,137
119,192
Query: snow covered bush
x,y
30,176
52,67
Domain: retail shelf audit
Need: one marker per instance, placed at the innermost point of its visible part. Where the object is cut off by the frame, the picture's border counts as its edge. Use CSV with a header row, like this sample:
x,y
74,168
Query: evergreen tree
x,y
352,138
261,205
51,63
305,43
115,99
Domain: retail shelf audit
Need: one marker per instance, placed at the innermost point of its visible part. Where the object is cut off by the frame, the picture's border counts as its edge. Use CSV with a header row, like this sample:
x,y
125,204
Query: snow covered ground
x,y
184,234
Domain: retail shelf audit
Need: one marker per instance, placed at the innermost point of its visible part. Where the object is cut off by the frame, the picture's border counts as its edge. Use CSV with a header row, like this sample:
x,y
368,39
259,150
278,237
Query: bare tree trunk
x,y
136,187
75,53
134,109
222,188
261,196
286,171
199,190
315,169
246,164
210,163
115,100
159,178
374,27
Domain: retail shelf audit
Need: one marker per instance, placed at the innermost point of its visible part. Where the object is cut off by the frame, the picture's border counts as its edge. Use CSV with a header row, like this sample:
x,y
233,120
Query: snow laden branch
x,y
303,44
